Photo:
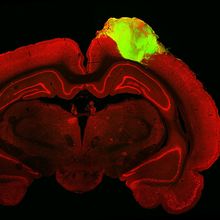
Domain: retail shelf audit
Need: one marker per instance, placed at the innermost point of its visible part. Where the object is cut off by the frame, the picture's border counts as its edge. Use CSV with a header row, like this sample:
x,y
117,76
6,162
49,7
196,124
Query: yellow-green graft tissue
x,y
135,39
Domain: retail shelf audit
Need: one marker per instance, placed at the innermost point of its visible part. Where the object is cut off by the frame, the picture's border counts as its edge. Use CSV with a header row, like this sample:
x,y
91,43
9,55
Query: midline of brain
x,y
136,113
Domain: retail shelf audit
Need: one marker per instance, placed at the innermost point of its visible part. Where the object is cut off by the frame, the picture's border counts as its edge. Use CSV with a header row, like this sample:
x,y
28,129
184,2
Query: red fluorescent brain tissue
x,y
133,112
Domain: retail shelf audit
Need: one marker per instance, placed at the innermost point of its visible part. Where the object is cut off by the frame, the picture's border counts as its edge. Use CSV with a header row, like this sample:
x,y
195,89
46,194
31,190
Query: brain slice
x,y
134,112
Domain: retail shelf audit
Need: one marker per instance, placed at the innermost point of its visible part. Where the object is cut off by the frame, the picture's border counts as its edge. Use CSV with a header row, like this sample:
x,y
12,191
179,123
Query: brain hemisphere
x,y
129,131
39,134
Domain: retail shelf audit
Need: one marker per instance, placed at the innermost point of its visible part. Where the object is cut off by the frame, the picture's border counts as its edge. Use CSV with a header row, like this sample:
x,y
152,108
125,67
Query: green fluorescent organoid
x,y
135,39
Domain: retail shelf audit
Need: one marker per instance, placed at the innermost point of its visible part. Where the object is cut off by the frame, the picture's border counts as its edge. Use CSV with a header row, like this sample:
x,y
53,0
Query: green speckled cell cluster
x,y
134,38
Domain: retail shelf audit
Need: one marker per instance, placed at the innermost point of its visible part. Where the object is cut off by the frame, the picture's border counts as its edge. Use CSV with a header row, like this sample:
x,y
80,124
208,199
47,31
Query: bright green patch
x,y
135,39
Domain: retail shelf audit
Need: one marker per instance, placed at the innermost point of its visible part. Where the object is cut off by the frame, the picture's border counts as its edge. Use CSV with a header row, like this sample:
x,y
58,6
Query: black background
x,y
189,31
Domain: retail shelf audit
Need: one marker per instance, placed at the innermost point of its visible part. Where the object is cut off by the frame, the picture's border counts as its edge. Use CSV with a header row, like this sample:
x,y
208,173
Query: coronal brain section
x,y
134,112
